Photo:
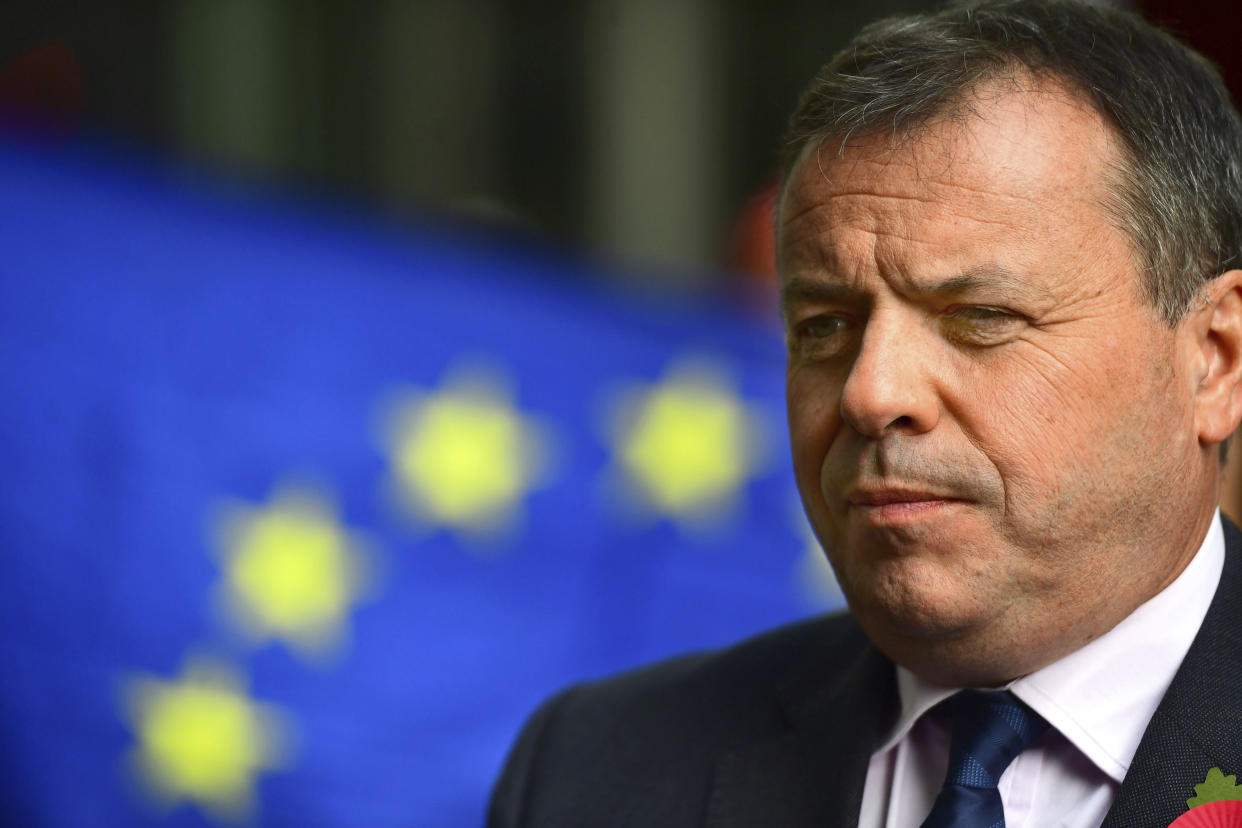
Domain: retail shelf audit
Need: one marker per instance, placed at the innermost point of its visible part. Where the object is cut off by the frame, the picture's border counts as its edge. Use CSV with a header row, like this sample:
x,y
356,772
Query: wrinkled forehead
x,y
1034,141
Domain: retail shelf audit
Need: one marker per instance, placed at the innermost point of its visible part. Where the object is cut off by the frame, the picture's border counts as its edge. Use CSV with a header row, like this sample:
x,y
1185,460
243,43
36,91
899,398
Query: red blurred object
x,y
754,236
42,92
1211,815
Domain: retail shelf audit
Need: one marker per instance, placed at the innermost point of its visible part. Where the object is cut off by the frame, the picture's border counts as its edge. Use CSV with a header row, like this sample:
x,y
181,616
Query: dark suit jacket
x,y
778,731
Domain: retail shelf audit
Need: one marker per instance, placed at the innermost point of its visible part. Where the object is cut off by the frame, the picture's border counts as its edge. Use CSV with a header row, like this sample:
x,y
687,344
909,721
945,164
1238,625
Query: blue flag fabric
x,y
302,516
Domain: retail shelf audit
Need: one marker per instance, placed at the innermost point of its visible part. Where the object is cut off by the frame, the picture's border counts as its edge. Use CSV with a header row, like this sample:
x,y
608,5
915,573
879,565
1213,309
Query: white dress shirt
x,y
1098,699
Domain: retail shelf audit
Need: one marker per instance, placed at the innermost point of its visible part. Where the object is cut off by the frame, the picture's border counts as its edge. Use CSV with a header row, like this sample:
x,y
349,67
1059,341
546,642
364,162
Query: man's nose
x,y
892,384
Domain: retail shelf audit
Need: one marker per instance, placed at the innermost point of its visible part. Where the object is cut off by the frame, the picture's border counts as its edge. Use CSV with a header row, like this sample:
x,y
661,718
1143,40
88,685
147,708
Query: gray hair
x,y
1177,188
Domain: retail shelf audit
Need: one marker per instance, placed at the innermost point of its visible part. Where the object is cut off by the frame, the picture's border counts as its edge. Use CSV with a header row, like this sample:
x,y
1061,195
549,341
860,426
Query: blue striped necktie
x,y
990,728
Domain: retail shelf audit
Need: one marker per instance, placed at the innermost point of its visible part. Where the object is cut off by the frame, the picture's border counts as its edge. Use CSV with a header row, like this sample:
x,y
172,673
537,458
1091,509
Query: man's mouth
x,y
899,505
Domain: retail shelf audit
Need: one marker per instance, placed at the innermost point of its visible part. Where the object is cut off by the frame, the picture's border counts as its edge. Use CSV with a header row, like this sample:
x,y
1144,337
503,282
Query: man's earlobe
x,y
1218,399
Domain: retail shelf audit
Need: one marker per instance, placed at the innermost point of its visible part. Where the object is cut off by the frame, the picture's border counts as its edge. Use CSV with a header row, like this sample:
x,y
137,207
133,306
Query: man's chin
x,y
944,639
924,622
916,605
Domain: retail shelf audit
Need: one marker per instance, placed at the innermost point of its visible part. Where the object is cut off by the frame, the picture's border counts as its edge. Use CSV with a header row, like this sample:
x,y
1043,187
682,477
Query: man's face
x,y
993,432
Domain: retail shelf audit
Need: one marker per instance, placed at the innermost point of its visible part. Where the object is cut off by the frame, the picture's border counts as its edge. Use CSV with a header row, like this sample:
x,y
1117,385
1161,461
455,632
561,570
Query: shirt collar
x,y
1101,696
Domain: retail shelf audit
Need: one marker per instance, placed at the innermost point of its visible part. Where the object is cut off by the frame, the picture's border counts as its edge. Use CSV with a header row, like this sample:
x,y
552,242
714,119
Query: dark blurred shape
x,y
1214,28
1211,26
42,93
630,130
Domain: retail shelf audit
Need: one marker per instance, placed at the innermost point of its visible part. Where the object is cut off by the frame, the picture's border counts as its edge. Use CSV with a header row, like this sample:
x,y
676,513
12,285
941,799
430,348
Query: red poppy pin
x,y
1217,803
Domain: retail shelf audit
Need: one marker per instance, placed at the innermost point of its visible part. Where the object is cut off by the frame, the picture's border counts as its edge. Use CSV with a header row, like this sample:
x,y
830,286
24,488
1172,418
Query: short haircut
x,y
1177,189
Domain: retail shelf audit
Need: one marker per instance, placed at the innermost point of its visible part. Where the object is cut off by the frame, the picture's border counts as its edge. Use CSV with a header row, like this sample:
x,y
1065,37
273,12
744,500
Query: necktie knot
x,y
990,728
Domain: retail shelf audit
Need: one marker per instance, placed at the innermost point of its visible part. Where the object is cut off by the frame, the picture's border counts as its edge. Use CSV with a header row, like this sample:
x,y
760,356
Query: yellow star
x,y
688,444
462,456
291,571
200,738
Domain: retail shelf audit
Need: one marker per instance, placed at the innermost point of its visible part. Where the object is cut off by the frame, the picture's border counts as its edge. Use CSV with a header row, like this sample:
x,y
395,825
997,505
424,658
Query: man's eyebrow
x,y
815,290
986,276
990,276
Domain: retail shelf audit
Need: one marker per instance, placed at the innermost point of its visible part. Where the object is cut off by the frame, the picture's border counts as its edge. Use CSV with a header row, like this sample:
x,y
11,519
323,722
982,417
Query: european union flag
x,y
303,514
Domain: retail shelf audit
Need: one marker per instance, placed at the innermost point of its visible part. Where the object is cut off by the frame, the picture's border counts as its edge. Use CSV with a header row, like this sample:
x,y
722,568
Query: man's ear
x,y
1218,335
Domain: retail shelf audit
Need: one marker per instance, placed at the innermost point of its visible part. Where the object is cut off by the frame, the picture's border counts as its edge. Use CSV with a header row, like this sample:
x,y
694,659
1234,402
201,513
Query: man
x,y
1007,237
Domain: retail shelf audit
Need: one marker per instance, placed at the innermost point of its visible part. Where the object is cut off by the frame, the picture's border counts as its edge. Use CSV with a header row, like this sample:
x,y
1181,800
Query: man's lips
x,y
886,497
896,506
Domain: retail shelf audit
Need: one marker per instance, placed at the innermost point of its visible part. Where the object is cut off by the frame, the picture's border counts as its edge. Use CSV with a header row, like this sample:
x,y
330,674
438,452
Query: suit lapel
x,y
812,773
1198,724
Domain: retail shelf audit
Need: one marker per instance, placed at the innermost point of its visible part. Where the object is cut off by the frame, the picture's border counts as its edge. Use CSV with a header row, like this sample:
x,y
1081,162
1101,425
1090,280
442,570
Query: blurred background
x,y
372,370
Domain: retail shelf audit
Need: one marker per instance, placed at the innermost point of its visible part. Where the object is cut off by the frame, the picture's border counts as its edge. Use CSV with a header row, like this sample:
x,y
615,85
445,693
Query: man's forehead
x,y
1013,199
1037,137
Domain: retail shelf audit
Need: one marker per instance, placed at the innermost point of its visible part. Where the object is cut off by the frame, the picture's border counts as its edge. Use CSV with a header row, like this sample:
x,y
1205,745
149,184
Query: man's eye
x,y
821,327
980,324
979,313
820,336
